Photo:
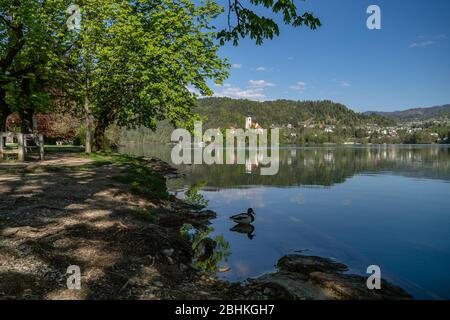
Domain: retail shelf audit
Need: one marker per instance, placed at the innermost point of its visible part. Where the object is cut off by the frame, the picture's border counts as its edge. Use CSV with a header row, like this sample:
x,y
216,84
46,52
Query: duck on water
x,y
244,218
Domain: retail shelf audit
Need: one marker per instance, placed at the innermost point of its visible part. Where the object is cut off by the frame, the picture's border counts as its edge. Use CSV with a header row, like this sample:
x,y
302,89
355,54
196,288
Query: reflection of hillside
x,y
324,166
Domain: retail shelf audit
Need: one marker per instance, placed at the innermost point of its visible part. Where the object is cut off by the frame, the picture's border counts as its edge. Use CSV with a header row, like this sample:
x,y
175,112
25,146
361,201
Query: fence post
x,y
41,146
21,152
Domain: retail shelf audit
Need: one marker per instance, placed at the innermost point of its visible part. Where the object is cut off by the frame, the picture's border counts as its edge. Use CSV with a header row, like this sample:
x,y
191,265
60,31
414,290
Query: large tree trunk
x,y
88,124
99,135
26,113
103,122
26,120
4,112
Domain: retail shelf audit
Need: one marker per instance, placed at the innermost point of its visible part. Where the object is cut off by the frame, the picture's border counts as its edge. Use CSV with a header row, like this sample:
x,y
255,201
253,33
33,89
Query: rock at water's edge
x,y
317,278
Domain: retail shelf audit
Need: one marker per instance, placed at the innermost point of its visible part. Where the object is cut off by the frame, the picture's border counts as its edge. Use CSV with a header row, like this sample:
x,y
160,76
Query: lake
x,y
376,205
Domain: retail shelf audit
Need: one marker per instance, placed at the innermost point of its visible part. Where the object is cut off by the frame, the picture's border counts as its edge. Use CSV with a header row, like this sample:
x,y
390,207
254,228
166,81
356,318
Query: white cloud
x,y
342,83
297,199
299,86
261,69
239,93
421,44
254,90
291,58
236,65
226,85
260,84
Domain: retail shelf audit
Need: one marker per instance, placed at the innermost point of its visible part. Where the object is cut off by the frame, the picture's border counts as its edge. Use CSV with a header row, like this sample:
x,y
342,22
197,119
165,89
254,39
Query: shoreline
x,y
112,216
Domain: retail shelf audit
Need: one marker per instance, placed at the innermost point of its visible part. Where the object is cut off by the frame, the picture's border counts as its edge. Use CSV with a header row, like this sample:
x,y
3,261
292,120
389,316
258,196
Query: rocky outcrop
x,y
309,277
308,264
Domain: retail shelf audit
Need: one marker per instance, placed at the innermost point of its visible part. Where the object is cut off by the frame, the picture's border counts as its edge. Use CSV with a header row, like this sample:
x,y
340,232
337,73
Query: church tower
x,y
248,123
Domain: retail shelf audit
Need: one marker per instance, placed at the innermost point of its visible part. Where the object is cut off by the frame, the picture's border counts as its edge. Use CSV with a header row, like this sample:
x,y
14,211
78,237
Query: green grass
x,y
102,158
142,179
25,170
63,148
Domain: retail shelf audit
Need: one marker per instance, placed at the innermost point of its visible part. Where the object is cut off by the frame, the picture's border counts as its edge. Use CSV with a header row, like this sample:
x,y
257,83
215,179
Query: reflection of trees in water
x,y
209,252
329,166
320,166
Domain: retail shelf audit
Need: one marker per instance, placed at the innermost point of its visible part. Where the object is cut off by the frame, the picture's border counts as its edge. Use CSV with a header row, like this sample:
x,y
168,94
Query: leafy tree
x,y
32,46
245,22
139,61
131,63
146,56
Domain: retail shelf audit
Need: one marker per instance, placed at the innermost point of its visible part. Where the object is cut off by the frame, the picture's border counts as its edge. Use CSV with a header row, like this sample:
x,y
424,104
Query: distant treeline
x,y
416,114
301,122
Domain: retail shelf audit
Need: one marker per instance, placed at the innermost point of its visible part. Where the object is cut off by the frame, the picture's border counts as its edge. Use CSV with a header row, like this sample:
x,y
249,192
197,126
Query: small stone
x,y
27,293
183,267
224,269
168,252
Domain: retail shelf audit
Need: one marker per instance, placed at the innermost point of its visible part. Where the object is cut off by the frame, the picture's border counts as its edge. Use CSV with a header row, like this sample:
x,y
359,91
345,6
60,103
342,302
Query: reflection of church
x,y
254,159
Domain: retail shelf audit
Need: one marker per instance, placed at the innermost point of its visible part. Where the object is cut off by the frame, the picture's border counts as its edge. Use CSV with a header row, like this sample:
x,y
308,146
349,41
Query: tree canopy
x,y
132,63
243,21
33,40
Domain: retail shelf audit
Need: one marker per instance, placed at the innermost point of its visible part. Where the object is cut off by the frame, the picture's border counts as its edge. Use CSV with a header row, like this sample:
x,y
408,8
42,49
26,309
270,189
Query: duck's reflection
x,y
247,229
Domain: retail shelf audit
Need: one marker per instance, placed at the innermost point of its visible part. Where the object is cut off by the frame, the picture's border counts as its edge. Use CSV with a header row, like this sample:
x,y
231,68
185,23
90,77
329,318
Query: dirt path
x,y
65,211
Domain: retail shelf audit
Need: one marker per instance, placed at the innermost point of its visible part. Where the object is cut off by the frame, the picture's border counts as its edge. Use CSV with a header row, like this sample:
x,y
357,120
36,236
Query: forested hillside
x,y
226,112
300,121
416,114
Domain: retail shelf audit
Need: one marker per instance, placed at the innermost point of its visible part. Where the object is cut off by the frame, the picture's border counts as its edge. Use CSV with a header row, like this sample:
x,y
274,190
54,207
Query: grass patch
x,y
17,170
143,180
63,148
102,158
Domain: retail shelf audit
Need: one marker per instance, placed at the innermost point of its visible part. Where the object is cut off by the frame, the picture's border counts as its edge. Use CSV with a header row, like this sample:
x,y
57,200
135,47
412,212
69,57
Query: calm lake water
x,y
382,205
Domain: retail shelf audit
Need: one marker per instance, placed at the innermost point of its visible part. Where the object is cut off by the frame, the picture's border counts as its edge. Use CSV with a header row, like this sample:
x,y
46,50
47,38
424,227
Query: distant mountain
x,y
416,114
226,112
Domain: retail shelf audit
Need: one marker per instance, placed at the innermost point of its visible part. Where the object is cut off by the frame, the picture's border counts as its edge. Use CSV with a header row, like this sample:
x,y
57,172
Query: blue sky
x,y
405,64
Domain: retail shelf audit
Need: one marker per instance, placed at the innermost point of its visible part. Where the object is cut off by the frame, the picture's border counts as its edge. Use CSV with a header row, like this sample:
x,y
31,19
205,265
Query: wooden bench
x,y
26,144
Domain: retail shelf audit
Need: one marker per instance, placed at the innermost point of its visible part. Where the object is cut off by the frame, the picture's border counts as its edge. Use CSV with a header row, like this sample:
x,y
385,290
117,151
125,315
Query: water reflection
x,y
209,252
247,229
383,205
324,166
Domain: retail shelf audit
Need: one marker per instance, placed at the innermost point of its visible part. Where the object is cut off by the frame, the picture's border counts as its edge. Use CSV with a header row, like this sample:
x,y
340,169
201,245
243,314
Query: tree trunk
x,y
26,113
3,117
4,113
88,124
26,120
99,135
103,122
